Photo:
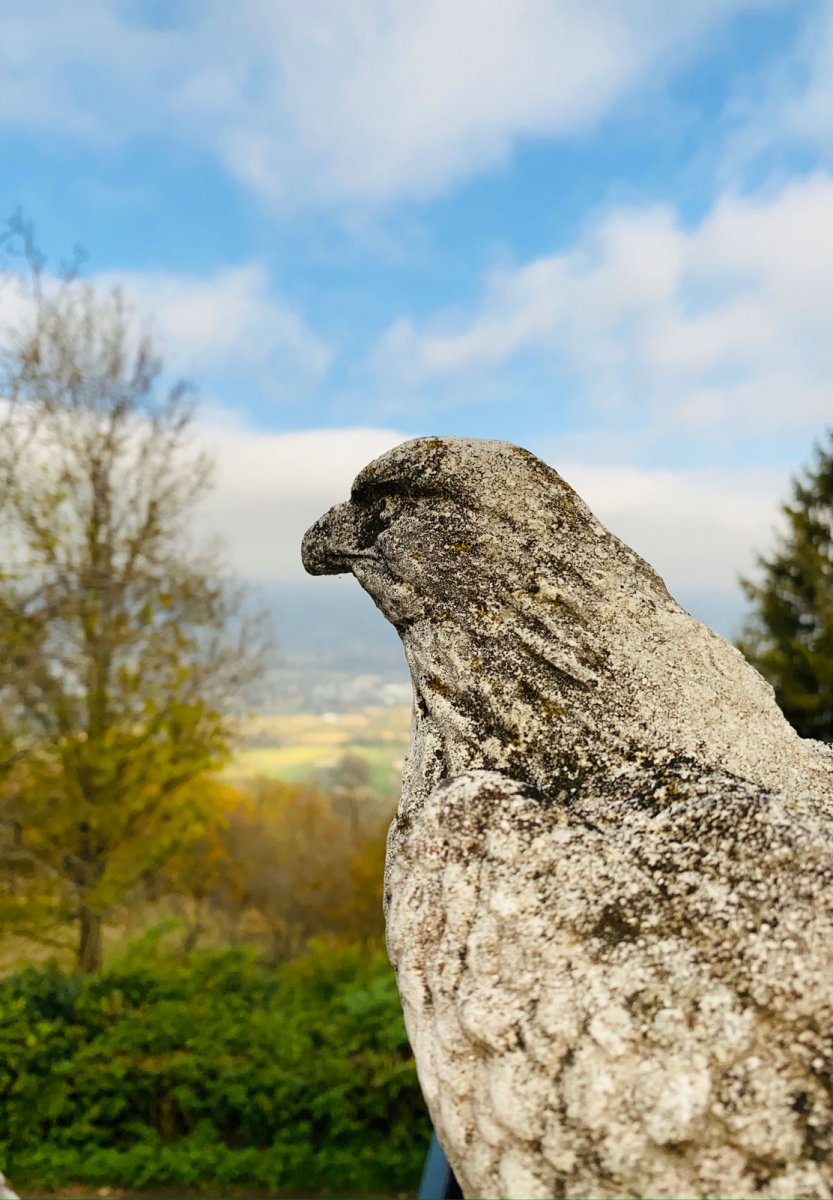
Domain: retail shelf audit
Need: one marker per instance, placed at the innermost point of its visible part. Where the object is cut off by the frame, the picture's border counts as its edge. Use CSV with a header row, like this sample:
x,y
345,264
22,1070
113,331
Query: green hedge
x,y
214,1073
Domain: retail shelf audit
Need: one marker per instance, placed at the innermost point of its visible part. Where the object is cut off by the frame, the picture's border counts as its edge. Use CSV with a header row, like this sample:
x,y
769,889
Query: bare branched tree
x,y
125,649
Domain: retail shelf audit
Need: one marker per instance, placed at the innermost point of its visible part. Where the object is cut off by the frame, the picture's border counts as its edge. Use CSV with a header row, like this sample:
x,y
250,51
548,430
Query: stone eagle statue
x,y
609,884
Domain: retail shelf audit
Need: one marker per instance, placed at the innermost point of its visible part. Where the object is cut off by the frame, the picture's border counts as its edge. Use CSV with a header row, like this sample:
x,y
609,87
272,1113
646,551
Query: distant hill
x,y
336,652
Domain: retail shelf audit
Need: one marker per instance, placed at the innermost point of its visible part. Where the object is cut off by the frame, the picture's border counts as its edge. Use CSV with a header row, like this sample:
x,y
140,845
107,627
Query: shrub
x,y
211,1072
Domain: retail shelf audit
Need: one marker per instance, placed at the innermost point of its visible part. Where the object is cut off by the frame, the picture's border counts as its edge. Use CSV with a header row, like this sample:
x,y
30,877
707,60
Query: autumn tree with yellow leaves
x,y
280,864
124,649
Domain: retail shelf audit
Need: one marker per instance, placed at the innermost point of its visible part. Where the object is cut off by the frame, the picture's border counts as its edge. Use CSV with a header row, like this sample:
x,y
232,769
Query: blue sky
x,y
603,230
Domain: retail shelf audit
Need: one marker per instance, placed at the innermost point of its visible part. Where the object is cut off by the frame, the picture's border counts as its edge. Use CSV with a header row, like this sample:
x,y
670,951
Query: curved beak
x,y
329,546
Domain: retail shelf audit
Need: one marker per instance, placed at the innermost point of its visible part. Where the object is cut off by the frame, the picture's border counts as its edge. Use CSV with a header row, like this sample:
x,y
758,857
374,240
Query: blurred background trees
x,y
278,865
124,651
789,634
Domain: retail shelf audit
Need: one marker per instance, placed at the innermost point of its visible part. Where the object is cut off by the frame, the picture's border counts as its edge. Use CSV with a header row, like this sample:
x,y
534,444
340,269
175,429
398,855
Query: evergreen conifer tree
x,y
789,634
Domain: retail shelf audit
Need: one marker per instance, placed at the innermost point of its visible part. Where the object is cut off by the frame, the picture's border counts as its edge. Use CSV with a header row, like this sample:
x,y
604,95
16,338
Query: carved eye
x,y
367,490
376,517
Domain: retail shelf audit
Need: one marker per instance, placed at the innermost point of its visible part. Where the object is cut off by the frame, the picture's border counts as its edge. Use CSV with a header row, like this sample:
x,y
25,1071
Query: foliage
x,y
789,636
211,1071
123,650
285,863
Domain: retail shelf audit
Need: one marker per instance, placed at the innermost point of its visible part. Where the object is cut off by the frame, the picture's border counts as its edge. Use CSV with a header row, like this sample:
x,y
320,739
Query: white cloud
x,y
15,307
228,322
808,114
402,98
787,105
723,324
700,529
697,527
272,486
322,100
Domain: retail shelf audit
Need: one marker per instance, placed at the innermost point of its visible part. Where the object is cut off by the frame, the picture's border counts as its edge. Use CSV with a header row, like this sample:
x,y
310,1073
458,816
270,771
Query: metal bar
x,y
438,1181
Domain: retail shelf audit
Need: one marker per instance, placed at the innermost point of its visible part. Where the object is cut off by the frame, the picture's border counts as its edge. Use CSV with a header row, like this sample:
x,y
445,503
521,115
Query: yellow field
x,y
295,745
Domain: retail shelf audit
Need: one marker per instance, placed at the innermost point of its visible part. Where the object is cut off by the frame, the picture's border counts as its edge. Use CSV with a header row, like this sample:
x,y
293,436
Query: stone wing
x,y
625,992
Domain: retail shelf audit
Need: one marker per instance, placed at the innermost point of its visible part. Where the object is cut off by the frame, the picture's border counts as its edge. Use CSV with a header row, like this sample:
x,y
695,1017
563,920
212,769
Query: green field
x,y
297,745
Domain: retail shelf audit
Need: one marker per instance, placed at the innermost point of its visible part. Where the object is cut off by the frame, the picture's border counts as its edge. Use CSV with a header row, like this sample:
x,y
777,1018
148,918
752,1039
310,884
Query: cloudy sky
x,y
600,229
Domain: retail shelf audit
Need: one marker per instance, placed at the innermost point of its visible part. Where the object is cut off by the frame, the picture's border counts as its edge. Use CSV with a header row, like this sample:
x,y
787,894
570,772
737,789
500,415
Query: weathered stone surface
x,y
609,889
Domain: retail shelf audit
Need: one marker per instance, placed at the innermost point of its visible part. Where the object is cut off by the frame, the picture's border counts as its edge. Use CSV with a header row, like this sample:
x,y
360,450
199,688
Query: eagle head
x,y
445,524
469,548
